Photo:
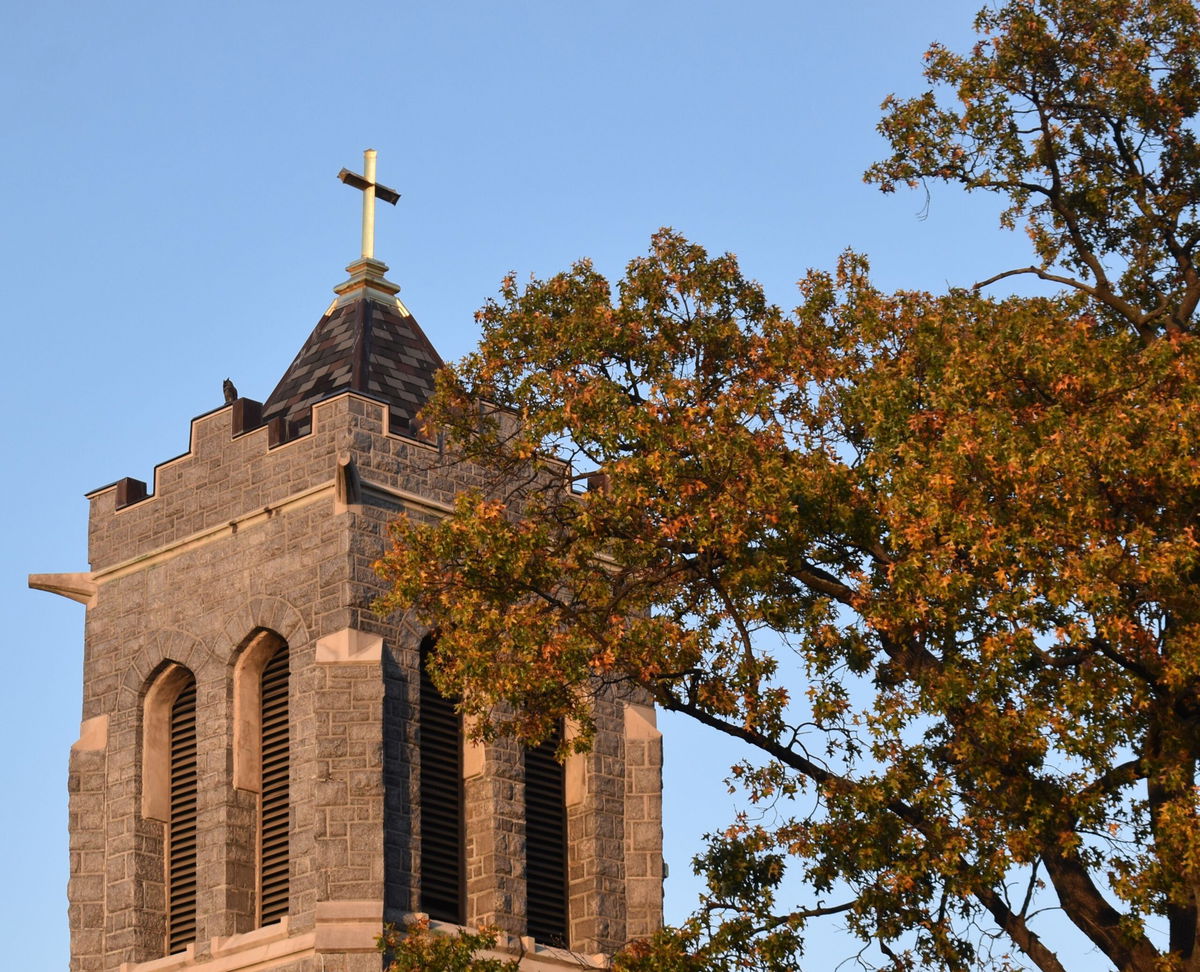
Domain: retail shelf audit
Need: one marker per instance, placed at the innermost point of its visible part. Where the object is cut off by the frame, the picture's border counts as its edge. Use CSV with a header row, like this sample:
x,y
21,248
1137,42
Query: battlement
x,y
236,472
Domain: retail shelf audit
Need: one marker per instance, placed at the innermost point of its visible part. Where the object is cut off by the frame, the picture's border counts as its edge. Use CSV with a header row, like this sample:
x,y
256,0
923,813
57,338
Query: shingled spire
x,y
367,341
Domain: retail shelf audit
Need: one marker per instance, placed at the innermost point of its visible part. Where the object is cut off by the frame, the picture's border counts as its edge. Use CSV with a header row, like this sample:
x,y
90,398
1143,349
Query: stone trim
x,y
247,708
180,960
474,751
347,487
405,497
641,722
574,769
156,740
348,926
350,647
93,735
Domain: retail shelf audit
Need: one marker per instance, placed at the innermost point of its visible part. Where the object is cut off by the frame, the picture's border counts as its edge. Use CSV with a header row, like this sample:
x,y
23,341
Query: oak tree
x,y
932,557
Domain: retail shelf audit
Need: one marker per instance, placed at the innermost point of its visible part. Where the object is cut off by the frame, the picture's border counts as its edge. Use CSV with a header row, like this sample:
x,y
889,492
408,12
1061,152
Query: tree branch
x,y
1087,908
1115,777
1013,924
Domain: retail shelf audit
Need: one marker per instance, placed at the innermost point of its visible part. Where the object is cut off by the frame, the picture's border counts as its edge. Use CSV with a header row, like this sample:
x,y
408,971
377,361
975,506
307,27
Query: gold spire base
x,y
367,280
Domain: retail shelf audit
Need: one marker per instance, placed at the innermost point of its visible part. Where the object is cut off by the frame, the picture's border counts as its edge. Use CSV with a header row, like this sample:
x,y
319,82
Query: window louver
x,y
274,806
442,866
181,828
545,844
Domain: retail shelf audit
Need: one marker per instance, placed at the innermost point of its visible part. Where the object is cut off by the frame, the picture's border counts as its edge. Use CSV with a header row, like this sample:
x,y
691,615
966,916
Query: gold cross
x,y
370,190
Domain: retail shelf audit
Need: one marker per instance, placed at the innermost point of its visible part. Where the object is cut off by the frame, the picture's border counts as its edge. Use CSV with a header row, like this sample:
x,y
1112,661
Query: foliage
x,y
418,949
933,557
1081,113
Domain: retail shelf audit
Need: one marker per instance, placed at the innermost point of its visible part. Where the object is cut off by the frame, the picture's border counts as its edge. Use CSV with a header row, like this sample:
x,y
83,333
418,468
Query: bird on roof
x,y
230,391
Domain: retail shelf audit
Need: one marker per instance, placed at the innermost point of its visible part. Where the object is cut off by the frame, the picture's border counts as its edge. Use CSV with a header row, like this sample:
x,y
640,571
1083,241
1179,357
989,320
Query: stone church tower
x,y
263,775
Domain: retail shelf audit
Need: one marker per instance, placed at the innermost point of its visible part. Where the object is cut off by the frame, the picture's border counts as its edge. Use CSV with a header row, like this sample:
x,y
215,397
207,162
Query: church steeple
x,y
367,341
265,773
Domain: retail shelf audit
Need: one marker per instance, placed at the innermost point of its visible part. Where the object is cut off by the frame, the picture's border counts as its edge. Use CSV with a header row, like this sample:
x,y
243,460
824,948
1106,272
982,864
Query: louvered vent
x,y
442,865
181,829
273,816
545,844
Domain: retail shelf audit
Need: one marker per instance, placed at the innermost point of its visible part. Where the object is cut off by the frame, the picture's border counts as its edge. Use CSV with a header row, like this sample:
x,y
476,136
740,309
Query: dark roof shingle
x,y
361,345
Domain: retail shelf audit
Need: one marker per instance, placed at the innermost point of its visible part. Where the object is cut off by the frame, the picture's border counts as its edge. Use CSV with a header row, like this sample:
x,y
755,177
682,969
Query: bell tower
x,y
264,774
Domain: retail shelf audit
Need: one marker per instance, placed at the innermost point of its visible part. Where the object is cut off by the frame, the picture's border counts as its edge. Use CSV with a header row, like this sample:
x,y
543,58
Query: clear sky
x,y
170,216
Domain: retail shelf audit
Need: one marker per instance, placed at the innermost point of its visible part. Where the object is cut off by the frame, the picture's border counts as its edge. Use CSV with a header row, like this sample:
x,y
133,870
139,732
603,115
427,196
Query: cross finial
x,y
370,190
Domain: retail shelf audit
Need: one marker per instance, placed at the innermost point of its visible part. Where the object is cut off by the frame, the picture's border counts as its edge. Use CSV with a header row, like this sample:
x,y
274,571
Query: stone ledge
x,y
348,926
254,951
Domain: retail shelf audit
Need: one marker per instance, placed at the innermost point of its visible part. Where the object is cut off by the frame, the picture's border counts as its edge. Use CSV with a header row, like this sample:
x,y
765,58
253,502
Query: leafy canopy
x,y
932,557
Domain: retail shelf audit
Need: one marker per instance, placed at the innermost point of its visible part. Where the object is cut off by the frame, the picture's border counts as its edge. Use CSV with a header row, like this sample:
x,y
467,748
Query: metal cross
x,y
370,190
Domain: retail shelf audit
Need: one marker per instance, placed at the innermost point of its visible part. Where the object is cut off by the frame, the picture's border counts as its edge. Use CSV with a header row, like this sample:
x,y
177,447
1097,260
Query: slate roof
x,y
361,345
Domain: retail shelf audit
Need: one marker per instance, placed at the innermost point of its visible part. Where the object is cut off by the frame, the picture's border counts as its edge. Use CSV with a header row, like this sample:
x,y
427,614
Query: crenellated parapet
x,y
258,477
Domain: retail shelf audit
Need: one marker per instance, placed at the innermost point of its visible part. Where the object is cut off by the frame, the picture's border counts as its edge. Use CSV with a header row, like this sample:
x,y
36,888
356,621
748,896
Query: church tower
x,y
264,774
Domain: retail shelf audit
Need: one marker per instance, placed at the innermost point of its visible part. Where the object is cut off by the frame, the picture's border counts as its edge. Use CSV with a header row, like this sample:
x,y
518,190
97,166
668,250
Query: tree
x,y
934,558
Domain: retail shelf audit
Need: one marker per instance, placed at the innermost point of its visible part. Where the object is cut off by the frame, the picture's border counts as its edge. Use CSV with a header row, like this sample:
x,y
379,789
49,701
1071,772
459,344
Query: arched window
x,y
169,794
443,888
546,844
262,764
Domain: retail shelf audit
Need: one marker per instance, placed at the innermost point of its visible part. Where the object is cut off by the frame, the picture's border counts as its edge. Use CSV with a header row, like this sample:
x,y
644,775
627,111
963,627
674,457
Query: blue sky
x,y
171,217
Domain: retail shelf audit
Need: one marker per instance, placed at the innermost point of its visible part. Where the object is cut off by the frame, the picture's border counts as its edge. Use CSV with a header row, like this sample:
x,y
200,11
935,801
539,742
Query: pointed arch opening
x,y
262,764
170,793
